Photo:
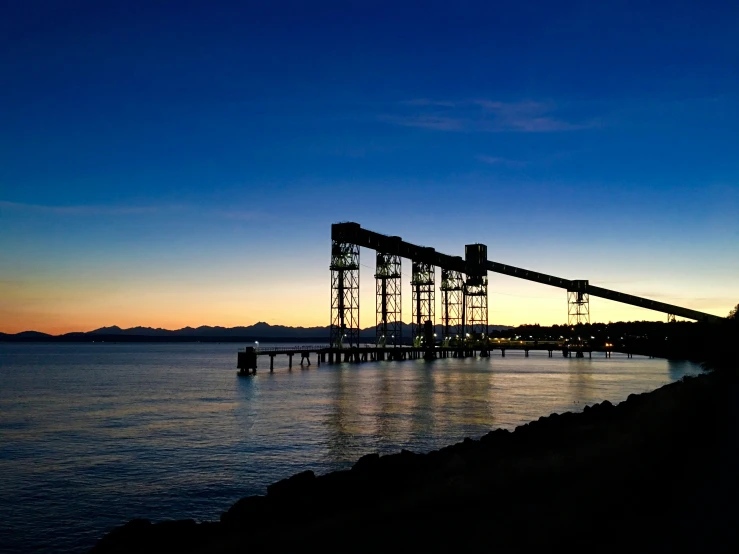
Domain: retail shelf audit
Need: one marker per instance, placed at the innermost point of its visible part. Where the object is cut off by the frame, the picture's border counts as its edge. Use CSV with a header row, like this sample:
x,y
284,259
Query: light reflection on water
x,y
92,435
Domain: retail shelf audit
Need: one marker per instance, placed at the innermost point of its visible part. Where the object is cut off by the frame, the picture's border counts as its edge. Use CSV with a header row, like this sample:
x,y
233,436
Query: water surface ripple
x,y
92,435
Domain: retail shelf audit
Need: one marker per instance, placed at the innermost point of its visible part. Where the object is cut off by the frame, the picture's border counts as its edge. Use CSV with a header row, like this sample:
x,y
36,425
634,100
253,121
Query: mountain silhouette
x,y
258,331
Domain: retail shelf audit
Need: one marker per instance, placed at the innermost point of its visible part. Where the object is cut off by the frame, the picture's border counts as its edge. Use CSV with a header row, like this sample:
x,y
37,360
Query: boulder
x,y
299,484
366,463
245,510
134,533
456,464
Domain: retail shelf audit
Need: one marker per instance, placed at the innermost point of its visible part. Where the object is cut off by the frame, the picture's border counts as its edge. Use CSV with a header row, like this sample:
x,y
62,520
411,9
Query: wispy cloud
x,y
98,210
485,116
429,121
495,160
238,215
428,102
81,209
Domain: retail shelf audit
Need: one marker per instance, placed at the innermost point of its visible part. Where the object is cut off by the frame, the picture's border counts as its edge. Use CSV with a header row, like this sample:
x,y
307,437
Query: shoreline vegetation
x,y
622,334
656,470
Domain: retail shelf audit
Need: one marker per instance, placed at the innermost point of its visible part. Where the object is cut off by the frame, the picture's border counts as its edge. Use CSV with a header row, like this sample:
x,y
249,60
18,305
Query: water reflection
x,y
580,383
384,417
341,415
424,413
389,406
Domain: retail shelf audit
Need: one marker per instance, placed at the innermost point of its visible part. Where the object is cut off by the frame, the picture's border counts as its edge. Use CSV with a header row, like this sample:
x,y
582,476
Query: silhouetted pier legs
x,y
305,356
290,361
272,363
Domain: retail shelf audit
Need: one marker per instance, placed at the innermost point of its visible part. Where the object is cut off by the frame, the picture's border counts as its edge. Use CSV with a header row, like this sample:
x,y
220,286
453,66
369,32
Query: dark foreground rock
x,y
656,471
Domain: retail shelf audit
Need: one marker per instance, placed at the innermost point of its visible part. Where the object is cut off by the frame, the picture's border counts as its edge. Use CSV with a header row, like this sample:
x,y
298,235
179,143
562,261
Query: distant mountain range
x,y
258,331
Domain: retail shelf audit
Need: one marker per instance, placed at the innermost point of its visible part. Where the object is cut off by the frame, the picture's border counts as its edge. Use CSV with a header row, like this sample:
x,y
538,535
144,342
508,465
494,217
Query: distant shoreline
x,y
175,339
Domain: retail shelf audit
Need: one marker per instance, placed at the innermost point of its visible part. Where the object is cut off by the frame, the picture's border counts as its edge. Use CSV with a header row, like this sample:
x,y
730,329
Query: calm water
x,y
92,435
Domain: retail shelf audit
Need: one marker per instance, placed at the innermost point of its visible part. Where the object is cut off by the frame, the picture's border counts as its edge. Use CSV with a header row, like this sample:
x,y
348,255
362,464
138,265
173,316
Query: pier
x,y
247,362
463,294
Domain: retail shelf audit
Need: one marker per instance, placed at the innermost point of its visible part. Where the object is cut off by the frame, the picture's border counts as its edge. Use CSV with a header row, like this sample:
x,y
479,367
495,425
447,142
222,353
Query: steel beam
x,y
354,234
651,304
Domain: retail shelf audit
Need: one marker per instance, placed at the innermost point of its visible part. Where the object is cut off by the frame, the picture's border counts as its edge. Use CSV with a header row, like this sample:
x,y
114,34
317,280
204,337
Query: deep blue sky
x,y
188,157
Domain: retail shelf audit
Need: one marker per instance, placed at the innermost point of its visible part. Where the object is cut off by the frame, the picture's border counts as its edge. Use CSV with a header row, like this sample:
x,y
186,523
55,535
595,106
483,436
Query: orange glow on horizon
x,y
64,308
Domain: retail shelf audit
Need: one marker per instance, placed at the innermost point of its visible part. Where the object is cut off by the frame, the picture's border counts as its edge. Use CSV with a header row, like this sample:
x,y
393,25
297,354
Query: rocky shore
x,y
655,471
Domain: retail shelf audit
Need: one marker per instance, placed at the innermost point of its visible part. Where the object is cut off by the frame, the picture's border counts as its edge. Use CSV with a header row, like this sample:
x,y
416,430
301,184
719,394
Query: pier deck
x,y
247,358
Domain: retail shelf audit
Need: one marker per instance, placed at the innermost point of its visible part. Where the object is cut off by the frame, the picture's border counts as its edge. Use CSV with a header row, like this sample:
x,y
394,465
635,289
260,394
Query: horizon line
x,y
319,327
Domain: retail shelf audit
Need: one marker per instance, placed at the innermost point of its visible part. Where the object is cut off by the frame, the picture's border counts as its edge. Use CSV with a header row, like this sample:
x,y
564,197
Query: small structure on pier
x,y
247,361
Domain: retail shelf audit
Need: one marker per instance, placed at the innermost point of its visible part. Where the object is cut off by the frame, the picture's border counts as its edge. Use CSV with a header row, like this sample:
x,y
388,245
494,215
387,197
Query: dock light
x,y
434,334
256,342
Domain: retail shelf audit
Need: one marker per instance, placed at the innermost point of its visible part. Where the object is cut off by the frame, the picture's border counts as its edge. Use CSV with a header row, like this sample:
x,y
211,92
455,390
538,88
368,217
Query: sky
x,y
179,163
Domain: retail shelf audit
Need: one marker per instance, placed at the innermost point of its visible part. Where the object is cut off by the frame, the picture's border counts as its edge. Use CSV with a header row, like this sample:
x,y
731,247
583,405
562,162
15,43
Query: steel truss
x,y
344,294
389,323
476,307
422,283
452,304
578,303
476,292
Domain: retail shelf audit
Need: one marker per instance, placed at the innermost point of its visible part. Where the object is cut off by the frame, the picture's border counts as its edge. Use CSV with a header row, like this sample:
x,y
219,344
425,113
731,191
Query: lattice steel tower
x,y
422,283
578,303
388,300
476,291
452,304
344,294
